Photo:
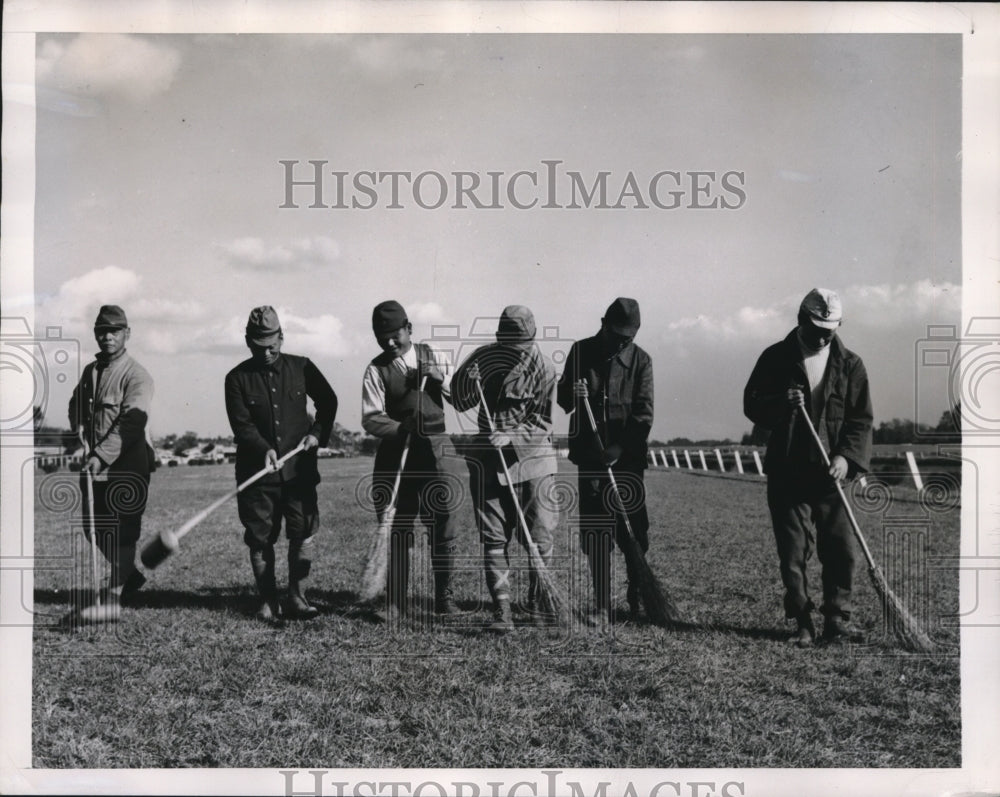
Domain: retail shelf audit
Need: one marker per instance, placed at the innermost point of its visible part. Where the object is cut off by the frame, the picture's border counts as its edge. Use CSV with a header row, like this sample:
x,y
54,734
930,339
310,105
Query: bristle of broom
x,y
551,597
373,577
903,625
103,613
659,607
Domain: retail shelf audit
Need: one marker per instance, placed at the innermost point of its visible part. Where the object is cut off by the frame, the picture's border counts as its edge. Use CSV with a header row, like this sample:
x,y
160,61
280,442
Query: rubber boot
x,y
299,564
262,564
443,564
497,568
397,578
126,578
503,620
600,573
632,552
805,631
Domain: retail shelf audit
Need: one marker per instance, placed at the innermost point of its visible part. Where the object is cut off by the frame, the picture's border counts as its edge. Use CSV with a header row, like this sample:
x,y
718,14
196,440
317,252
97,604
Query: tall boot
x,y
398,576
497,568
126,578
299,564
262,564
443,565
600,573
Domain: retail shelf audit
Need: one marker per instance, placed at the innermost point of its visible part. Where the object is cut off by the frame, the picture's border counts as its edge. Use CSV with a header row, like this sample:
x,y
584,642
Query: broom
x,y
373,577
551,598
659,607
167,542
907,630
98,612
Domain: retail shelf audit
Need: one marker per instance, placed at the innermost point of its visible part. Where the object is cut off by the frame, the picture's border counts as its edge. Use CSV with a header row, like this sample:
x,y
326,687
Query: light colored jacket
x,y
519,383
110,415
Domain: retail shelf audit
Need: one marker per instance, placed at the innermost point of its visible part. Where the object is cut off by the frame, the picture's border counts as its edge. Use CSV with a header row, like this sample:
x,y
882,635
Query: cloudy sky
x,y
159,187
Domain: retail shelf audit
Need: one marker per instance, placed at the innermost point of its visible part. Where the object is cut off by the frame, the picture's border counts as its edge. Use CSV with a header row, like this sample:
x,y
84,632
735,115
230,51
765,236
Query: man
x,y
616,377
518,383
108,413
395,409
266,403
812,372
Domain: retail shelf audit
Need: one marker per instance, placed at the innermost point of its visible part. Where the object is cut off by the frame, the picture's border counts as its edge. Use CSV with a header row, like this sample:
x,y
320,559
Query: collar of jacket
x,y
103,361
275,366
625,356
792,345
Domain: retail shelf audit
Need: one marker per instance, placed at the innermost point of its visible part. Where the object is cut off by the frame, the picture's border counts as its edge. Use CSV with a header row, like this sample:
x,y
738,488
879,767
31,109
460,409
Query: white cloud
x,y
165,326
75,304
873,306
888,305
303,254
161,324
321,336
426,313
107,64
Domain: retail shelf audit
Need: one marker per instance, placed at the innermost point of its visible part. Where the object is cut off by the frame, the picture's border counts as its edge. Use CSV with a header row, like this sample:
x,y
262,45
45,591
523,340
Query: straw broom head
x,y
550,596
373,578
659,607
902,624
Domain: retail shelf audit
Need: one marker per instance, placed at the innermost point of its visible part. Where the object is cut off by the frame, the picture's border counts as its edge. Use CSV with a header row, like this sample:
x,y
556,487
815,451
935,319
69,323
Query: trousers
x,y
807,515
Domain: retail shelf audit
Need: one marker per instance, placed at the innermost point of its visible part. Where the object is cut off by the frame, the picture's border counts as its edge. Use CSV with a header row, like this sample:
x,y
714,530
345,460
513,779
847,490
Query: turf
x,y
188,678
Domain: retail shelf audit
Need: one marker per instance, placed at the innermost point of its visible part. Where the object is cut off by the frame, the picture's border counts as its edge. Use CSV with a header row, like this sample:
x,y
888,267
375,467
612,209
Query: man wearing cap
x,y
616,377
811,371
518,382
266,404
395,409
108,413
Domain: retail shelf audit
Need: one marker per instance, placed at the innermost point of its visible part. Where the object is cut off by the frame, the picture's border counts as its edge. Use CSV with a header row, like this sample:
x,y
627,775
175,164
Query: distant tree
x,y
898,431
758,436
341,437
185,441
950,425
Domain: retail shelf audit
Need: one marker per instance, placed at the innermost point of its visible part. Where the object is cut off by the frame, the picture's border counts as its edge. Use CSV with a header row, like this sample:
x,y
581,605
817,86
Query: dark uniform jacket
x,y
621,396
266,405
843,416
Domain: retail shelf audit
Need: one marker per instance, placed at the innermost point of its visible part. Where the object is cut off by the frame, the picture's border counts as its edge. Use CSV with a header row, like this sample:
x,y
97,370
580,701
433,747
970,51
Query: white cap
x,y
823,308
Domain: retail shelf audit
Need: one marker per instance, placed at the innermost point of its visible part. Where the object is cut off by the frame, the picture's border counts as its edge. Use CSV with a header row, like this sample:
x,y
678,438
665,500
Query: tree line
x,y
895,432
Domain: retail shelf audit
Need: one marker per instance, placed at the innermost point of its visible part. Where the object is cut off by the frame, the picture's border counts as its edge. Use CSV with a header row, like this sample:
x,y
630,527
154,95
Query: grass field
x,y
189,679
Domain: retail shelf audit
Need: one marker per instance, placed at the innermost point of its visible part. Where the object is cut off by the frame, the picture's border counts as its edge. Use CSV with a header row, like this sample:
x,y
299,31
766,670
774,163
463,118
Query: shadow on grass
x,y
242,600
344,604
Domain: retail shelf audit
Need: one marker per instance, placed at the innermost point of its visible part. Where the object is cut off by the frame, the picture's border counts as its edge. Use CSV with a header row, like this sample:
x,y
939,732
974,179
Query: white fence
x,y
658,459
